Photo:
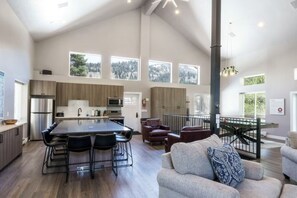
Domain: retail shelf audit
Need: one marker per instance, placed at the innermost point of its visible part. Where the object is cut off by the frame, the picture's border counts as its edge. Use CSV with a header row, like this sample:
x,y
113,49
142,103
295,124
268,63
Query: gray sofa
x,y
187,172
289,162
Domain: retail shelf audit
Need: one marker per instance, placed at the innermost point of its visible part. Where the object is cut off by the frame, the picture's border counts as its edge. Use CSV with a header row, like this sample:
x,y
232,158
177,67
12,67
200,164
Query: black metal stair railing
x,y
242,133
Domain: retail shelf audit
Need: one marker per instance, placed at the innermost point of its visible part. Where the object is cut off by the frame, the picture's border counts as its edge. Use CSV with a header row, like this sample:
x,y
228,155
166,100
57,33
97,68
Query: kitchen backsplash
x,y
72,109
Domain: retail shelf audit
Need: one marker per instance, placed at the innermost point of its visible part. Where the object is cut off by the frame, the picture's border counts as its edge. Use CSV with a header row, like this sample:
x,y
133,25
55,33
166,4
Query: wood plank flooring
x,y
23,177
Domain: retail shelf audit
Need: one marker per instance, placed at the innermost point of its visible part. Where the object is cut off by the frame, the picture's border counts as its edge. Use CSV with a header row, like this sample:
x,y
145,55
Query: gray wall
x,y
16,54
130,35
278,66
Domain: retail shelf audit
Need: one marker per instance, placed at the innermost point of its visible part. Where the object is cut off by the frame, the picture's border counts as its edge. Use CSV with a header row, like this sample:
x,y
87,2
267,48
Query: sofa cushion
x,y
226,164
268,187
292,137
159,132
192,158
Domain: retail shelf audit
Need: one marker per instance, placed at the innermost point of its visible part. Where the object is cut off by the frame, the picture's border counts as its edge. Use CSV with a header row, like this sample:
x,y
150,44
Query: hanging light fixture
x,y
229,70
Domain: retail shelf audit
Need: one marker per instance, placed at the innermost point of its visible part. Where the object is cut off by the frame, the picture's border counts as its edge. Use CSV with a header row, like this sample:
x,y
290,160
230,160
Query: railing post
x,y
258,143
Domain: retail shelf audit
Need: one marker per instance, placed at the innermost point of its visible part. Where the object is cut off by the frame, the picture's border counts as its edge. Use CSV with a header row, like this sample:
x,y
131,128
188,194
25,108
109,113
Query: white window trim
x,y
158,61
127,58
198,73
72,52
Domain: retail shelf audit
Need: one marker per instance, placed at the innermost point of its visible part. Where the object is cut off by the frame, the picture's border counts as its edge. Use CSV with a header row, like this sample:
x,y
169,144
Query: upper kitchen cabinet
x,y
96,94
41,87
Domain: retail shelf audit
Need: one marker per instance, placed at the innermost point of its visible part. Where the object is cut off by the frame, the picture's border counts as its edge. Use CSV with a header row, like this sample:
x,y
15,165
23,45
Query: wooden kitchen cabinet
x,y
10,145
96,94
167,100
40,87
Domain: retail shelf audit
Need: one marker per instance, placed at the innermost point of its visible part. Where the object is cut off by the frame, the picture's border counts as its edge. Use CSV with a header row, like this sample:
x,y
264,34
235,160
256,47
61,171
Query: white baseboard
x,y
276,137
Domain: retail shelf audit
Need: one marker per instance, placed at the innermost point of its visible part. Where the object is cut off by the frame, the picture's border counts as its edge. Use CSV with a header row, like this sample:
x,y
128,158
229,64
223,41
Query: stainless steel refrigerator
x,y
41,116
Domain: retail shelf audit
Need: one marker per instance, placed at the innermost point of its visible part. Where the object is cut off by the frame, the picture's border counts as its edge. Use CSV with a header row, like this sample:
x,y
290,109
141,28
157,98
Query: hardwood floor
x,y
23,177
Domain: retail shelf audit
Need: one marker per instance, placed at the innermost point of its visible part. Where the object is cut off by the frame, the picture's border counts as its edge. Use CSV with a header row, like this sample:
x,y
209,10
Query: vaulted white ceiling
x,y
279,19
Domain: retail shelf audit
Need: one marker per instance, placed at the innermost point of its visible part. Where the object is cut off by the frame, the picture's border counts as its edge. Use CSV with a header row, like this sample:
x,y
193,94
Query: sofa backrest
x,y
192,158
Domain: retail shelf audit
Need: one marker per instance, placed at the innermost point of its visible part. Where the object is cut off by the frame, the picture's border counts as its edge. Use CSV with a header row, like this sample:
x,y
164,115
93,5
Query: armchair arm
x,y
171,139
193,186
253,170
289,153
164,127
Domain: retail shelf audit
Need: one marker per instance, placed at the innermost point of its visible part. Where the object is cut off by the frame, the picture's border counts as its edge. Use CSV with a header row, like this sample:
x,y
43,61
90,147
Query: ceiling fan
x,y
167,1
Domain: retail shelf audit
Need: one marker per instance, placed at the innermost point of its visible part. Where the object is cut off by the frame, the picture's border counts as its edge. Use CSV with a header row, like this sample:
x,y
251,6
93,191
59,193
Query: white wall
x,y
278,66
16,54
122,36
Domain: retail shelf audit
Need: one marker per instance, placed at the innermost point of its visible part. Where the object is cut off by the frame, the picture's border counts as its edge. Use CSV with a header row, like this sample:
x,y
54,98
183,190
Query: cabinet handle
x,y
1,138
17,132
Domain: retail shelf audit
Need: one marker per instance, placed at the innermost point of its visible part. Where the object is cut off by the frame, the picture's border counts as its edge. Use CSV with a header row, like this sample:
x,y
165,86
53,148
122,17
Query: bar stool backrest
x,y
79,143
105,141
46,137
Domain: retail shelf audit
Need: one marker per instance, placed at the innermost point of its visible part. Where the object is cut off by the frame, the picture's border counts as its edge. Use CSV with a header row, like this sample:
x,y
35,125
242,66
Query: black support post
x,y
215,66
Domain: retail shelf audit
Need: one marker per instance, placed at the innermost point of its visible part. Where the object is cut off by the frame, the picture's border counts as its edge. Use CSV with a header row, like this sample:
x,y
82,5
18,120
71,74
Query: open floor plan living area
x,y
148,98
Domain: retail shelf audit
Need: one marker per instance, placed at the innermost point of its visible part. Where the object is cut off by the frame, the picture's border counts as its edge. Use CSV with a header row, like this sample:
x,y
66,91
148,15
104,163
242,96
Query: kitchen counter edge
x,y
4,127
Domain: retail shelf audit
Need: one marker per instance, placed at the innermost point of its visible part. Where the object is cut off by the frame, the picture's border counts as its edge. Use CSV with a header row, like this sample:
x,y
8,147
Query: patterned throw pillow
x,y
226,164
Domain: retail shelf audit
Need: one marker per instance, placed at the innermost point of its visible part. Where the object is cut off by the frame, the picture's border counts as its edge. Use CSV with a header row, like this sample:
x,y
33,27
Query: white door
x,y
293,110
132,109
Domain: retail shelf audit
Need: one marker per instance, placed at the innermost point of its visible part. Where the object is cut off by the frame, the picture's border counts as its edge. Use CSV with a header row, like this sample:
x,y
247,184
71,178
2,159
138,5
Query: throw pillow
x,y
226,164
292,136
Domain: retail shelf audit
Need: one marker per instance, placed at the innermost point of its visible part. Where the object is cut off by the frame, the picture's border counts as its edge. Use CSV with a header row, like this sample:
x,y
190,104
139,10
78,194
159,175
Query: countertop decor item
x,y
9,121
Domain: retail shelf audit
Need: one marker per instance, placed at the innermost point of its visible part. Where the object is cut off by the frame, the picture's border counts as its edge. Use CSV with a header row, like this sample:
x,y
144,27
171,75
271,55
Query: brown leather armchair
x,y
153,130
187,134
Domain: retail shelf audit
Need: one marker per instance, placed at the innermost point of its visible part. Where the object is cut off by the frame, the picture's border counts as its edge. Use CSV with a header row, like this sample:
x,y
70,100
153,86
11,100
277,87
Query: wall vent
x,y
294,4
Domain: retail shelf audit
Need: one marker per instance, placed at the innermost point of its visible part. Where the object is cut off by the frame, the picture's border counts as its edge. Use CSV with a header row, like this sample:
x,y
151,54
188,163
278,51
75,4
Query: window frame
x,y
242,104
85,53
157,61
198,74
243,79
127,58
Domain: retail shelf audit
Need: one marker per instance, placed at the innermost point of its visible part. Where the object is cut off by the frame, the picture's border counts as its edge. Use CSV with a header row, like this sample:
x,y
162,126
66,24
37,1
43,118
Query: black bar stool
x,y
105,142
51,147
79,144
125,146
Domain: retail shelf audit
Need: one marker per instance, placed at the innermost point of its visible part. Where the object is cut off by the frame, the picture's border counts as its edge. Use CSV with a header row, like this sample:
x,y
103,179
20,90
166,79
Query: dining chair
x,y
125,147
105,142
51,147
79,144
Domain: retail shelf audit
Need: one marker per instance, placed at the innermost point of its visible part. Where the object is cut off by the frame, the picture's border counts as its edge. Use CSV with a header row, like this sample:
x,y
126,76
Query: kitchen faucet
x,y
79,110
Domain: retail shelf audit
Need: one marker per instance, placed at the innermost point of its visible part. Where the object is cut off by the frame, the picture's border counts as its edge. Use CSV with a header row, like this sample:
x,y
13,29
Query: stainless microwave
x,y
114,102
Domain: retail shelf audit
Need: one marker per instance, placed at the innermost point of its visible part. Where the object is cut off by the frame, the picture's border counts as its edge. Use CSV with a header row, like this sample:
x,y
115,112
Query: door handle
x,y
136,114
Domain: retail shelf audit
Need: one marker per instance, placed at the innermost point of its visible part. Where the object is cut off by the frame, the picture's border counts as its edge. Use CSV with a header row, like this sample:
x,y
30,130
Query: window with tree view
x,y
85,65
124,68
254,80
254,105
188,74
159,71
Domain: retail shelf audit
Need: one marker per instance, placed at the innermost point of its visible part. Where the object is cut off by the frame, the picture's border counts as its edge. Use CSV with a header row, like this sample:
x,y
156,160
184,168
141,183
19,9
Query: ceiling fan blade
x,y
156,1
165,4
173,1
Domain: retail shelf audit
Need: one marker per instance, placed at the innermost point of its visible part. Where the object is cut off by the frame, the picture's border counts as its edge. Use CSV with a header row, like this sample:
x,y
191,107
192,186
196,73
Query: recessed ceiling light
x,y
260,24
176,11
129,1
